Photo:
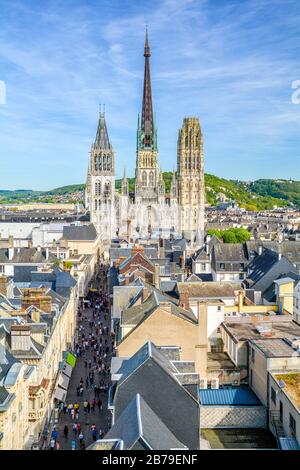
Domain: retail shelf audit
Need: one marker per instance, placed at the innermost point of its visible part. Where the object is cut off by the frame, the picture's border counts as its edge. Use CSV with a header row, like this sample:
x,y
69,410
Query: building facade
x,y
149,211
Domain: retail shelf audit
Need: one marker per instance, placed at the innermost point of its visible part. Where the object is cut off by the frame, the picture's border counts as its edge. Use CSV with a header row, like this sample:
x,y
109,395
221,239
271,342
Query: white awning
x,y
67,369
63,380
60,394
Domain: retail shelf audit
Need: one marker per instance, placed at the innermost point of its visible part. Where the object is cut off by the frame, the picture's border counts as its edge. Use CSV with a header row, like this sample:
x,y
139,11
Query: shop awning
x,y
63,380
67,369
70,359
60,394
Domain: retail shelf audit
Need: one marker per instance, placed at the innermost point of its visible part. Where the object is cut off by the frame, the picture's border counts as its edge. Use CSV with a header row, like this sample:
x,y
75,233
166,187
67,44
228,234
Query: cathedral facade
x,y
149,211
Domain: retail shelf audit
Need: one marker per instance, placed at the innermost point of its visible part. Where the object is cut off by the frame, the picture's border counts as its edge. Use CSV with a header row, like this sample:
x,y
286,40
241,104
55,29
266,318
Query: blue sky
x,y
229,62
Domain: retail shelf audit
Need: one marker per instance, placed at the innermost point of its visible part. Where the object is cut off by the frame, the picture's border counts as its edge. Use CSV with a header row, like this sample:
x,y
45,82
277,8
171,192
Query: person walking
x,y
57,445
85,405
74,429
66,431
80,438
52,444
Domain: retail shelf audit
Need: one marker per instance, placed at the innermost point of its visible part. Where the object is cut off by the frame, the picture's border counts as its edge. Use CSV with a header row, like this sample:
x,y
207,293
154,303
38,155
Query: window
x,y
251,376
252,355
292,424
273,396
241,277
144,178
241,266
151,179
222,266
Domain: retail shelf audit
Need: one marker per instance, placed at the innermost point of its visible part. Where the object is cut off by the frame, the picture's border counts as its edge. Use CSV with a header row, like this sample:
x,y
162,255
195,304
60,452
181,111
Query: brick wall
x,y
235,416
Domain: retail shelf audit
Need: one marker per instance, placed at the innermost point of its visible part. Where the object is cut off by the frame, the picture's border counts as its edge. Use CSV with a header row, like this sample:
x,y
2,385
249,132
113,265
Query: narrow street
x,y
91,373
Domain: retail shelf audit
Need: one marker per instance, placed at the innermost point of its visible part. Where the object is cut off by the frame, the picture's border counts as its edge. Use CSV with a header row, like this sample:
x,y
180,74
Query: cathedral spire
x,y
102,140
147,122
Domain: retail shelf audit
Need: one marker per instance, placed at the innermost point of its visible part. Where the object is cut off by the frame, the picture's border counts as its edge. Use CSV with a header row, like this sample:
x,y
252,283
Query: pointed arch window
x,y
107,189
108,163
104,162
144,178
151,179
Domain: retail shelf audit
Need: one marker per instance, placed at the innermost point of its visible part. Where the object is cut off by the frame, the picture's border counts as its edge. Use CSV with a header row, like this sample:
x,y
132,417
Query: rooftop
x,y
277,329
239,438
274,347
219,360
234,396
292,386
206,289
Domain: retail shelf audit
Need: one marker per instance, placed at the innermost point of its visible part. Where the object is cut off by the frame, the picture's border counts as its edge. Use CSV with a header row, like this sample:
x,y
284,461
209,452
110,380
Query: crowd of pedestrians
x,y
83,419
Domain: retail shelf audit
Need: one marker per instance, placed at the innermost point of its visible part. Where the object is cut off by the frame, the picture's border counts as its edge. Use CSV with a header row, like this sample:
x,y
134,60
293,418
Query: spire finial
x,y
147,48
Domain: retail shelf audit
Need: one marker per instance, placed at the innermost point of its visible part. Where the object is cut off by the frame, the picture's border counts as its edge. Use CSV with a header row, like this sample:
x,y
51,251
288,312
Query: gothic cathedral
x,y
149,211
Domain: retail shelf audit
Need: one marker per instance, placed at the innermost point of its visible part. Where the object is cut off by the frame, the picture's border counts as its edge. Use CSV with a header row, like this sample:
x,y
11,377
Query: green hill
x,y
285,189
257,195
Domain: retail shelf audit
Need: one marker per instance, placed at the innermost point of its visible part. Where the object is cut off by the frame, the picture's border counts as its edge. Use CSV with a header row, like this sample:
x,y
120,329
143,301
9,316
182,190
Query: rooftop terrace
x,y
292,386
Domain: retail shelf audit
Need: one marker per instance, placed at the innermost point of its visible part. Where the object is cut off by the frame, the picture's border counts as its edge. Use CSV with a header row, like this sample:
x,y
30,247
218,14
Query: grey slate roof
x,y
80,233
139,424
25,256
138,313
266,268
153,376
135,314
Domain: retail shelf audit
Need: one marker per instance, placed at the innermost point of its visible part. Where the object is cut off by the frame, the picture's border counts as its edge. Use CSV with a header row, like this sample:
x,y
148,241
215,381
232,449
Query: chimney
x,y
11,241
4,281
145,293
156,276
36,316
127,279
184,300
201,341
20,338
182,262
241,296
163,250
36,297
11,252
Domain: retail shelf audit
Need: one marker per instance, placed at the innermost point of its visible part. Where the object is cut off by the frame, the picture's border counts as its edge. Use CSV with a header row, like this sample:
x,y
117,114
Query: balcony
x,y
36,415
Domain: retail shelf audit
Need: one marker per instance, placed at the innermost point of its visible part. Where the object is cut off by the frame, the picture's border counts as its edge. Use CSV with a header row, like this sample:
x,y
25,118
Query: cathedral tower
x,y
191,189
147,171
102,182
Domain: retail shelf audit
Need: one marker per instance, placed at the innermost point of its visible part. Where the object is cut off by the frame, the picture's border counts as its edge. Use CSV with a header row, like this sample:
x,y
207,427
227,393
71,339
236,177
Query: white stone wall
x,y
233,417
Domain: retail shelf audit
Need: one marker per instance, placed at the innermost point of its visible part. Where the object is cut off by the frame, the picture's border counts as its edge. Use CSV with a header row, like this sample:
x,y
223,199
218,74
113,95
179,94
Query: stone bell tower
x,y
191,188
